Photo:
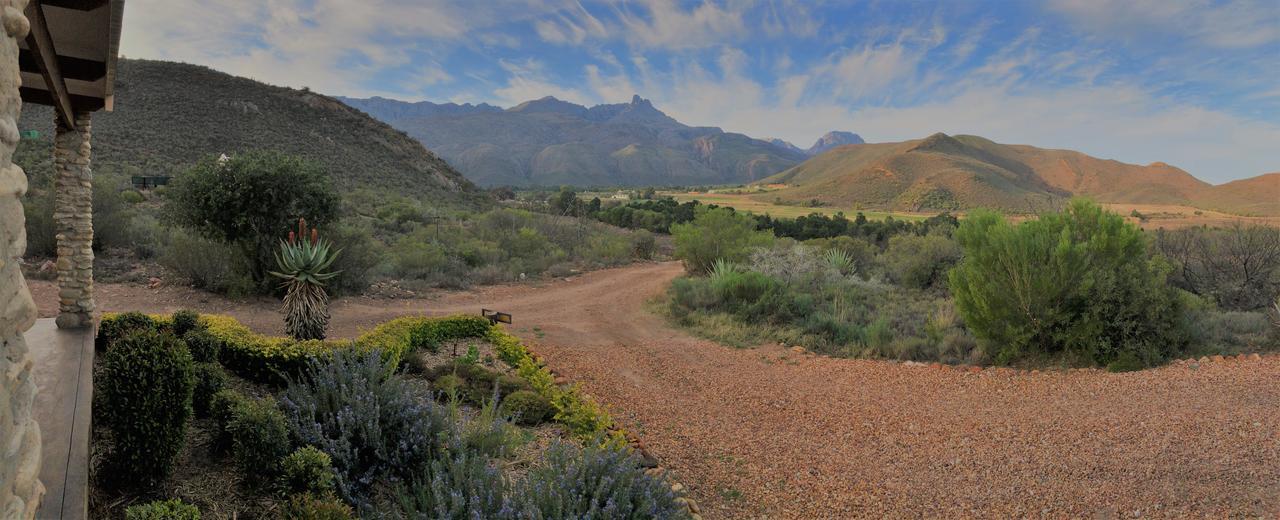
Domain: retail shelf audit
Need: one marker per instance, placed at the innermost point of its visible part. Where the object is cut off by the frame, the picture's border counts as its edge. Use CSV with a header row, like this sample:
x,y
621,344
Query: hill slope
x,y
1253,196
550,142
944,172
169,115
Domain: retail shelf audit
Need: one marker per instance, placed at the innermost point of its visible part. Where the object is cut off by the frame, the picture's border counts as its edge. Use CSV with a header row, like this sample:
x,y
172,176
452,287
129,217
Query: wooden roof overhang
x,y
68,60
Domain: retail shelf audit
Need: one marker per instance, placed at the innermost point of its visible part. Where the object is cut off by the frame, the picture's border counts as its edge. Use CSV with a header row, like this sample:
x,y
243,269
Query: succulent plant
x,y
303,260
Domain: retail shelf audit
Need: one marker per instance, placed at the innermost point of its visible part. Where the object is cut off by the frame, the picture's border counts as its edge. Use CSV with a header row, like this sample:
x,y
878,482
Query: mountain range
x,y
943,172
550,142
169,115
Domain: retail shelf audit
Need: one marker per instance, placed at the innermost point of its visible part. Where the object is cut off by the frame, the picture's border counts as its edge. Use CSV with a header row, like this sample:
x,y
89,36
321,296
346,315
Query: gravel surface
x,y
768,432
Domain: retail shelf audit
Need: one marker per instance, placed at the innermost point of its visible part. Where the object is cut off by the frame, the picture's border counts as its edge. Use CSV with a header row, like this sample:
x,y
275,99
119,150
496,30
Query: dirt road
x,y
768,432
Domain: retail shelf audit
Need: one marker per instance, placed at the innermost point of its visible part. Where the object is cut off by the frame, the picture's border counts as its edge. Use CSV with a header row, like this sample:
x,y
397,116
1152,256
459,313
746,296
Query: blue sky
x,y
1194,83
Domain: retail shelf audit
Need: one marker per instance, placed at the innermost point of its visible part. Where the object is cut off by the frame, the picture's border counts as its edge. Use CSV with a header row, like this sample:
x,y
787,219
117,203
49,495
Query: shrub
x,y
306,506
204,346
184,321
448,385
222,409
920,262
369,421
144,398
527,408
210,379
596,482
308,470
1237,267
458,486
643,245
1077,283
173,509
209,265
120,325
249,199
259,437
716,234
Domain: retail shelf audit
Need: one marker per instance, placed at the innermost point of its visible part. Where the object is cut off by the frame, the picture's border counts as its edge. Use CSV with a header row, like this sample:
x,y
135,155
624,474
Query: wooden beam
x,y
71,67
41,45
78,5
78,103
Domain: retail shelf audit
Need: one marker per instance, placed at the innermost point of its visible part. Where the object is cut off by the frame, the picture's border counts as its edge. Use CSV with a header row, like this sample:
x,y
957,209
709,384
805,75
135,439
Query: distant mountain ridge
x,y
943,172
550,142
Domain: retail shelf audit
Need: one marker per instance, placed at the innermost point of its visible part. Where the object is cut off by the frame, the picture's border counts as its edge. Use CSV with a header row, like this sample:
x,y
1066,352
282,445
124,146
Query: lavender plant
x,y
368,421
595,482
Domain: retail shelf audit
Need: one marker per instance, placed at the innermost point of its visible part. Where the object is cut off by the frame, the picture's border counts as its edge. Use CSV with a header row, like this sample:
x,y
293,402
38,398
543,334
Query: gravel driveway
x,y
767,432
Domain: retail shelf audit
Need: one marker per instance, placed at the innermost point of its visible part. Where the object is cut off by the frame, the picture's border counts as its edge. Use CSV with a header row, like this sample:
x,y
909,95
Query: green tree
x,y
716,234
251,200
1078,283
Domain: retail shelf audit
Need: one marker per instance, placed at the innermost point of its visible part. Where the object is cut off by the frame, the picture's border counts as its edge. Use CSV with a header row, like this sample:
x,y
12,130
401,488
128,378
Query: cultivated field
x,y
745,202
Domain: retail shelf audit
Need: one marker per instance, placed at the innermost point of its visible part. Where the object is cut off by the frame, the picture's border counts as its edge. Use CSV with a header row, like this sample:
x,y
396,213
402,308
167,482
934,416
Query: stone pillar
x,y
73,222
20,488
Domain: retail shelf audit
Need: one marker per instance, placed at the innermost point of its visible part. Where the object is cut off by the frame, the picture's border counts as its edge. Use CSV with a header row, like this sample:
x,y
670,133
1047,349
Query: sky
x,y
1193,83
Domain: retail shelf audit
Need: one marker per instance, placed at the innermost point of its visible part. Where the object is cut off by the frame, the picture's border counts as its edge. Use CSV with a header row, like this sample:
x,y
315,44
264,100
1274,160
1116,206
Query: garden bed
x,y
461,408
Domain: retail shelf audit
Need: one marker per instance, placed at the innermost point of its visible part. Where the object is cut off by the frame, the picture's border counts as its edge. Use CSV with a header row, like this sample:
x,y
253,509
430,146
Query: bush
x,y
1077,283
527,408
184,321
210,379
204,346
163,510
308,470
596,482
223,408
448,385
643,245
306,506
368,420
144,399
920,262
1237,267
259,437
209,265
458,486
716,234
249,200
118,326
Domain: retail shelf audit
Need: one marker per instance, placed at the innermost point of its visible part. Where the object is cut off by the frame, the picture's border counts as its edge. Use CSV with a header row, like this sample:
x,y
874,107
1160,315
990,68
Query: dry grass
x,y
745,202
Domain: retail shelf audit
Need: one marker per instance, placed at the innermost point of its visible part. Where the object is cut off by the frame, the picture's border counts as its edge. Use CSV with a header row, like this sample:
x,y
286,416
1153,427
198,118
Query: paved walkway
x,y
64,397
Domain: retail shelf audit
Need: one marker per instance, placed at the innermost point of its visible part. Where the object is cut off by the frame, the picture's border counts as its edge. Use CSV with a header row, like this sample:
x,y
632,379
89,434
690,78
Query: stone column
x,y
73,222
20,488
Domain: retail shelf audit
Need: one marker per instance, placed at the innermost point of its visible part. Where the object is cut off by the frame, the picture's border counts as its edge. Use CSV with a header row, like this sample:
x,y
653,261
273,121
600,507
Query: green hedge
x,y
270,359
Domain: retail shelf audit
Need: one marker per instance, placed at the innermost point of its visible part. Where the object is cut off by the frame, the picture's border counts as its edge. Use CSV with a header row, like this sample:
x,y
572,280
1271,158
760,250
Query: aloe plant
x,y
303,261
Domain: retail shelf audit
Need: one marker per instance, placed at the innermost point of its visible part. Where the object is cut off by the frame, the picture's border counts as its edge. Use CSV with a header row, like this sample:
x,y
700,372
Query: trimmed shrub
x,y
144,398
204,346
120,325
527,408
222,409
173,509
596,482
308,470
210,379
369,421
184,321
306,506
259,437
1077,283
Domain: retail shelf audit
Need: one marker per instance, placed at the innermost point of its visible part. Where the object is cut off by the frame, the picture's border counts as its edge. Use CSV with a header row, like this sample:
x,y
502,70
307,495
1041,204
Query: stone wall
x,y
73,222
20,488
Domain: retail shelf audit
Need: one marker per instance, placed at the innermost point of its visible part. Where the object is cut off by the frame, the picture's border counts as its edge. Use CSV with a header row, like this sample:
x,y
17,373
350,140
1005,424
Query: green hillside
x,y
169,115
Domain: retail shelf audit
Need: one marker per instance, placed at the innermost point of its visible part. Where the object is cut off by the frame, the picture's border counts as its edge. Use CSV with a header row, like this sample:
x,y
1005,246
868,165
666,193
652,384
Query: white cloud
x,y
1222,24
669,26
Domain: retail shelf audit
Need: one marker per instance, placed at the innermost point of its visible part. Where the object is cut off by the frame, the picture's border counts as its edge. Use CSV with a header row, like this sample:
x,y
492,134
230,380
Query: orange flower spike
x,y
291,238
315,236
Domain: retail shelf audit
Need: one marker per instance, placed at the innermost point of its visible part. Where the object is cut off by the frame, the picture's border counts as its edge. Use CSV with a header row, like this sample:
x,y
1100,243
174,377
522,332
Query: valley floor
x,y
771,432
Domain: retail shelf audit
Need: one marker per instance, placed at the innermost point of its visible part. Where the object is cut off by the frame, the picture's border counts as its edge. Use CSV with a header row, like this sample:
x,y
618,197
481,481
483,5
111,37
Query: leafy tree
x,y
716,234
250,200
1077,283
